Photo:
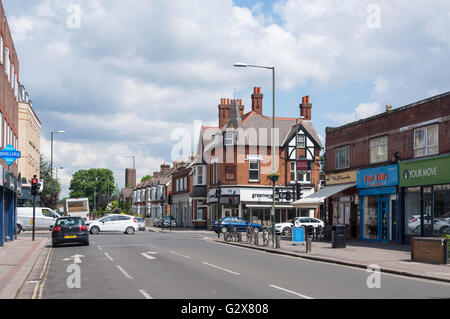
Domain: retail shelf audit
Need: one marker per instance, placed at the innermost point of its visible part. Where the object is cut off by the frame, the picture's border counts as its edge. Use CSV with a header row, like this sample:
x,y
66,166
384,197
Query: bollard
x,y
256,239
308,245
277,241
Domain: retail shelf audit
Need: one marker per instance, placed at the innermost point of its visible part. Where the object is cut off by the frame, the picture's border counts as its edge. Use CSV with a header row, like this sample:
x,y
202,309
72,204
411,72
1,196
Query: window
x,y
185,183
378,150
199,173
413,207
1,49
426,141
7,64
301,141
253,168
342,157
229,140
218,139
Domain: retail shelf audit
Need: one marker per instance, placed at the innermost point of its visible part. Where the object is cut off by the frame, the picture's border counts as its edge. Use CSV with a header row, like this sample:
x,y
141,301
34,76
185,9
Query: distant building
x,y
29,144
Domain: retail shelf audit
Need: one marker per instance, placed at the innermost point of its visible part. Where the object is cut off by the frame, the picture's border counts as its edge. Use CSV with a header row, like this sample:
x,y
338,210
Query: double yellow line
x,y
37,292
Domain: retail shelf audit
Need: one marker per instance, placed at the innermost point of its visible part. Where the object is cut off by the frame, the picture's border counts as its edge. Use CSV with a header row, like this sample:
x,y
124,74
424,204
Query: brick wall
x,y
398,124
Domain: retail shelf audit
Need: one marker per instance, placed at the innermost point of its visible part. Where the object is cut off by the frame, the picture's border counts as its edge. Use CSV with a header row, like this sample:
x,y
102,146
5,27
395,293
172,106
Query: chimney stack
x,y
225,108
257,98
305,108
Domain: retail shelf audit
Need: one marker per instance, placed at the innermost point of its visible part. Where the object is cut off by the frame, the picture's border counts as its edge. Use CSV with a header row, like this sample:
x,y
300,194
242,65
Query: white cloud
x,y
362,111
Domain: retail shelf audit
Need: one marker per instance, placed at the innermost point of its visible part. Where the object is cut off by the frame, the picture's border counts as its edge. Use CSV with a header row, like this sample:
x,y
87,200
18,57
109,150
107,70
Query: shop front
x,y
378,194
425,191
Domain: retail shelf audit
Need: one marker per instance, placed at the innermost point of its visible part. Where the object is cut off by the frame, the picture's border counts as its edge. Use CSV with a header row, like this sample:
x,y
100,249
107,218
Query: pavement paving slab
x,y
17,259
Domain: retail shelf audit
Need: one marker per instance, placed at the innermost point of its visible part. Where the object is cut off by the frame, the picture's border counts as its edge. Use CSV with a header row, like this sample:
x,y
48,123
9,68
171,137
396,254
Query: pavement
x,y
389,257
17,259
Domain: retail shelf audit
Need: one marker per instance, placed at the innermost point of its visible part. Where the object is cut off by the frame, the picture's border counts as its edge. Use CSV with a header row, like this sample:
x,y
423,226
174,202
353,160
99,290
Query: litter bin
x,y
339,236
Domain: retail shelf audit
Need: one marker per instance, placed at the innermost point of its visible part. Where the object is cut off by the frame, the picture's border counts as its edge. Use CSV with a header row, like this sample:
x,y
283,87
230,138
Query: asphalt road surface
x,y
188,266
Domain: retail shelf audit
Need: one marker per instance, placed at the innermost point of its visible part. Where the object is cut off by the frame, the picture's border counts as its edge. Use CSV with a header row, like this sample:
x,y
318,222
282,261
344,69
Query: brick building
x,y
392,172
237,158
9,84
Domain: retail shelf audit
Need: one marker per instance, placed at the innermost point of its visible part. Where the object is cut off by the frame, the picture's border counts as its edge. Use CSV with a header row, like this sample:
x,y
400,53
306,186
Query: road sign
x,y
10,154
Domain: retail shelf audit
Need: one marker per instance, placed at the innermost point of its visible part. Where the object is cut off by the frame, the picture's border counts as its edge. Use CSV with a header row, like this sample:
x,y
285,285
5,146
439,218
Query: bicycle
x,y
267,236
249,237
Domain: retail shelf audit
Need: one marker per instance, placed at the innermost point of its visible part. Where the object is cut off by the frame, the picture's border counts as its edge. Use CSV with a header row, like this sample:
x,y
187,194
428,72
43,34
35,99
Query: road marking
x,y
109,257
44,274
172,252
131,245
231,272
145,294
100,247
291,292
146,255
76,259
124,272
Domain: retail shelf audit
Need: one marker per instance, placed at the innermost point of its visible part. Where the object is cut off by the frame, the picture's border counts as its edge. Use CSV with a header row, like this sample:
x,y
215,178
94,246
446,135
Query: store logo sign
x,y
420,172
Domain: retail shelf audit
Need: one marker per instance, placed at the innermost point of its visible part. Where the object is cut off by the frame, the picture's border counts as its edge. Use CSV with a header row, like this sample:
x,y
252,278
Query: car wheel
x,y
86,243
54,245
129,231
255,230
444,230
286,231
224,230
95,230
19,229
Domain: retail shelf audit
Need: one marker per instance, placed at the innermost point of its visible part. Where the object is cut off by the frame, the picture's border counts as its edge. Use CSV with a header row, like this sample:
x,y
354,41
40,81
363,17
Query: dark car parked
x,y
240,223
166,221
69,230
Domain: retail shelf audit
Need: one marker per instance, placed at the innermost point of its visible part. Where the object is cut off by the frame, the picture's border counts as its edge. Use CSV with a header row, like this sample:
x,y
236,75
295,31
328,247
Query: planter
x,y
430,249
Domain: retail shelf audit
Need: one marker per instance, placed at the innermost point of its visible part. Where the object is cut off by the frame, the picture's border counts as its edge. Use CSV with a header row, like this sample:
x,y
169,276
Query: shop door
x,y
383,218
393,218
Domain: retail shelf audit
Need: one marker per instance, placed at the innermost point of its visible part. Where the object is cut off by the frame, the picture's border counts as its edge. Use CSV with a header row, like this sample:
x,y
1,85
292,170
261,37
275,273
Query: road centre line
x,y
109,257
231,272
124,272
291,292
172,252
145,294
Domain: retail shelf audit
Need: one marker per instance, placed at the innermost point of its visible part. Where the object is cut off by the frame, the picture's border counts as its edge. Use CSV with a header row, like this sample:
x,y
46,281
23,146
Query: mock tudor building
x,y
236,158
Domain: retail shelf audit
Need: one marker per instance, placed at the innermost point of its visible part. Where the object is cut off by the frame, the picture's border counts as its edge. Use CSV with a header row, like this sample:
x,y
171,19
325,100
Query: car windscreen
x,y
67,222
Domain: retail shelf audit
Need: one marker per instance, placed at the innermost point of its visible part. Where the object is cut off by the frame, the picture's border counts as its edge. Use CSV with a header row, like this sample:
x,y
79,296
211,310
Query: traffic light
x,y
288,196
218,192
34,186
299,192
169,199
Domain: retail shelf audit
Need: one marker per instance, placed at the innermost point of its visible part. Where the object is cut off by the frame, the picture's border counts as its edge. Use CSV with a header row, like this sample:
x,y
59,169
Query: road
x,y
186,265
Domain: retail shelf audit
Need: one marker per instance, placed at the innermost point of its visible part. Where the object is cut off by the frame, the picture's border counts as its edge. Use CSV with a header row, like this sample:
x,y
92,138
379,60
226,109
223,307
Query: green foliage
x,y
45,175
146,178
98,182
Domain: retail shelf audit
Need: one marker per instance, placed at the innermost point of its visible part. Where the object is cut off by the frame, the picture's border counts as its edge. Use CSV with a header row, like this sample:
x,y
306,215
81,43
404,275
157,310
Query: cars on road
x,y
140,222
167,221
241,224
286,228
45,217
68,230
114,223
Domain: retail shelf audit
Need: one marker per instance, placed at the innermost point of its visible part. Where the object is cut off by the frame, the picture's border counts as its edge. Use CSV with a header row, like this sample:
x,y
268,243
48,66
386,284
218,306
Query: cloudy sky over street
x,y
120,76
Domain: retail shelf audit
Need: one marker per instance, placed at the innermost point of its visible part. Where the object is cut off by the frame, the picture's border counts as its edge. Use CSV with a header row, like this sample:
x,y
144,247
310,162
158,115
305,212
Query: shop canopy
x,y
317,198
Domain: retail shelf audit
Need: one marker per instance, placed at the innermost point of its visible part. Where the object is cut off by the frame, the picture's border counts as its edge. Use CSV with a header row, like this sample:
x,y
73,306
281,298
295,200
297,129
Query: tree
x,y
45,175
146,178
97,184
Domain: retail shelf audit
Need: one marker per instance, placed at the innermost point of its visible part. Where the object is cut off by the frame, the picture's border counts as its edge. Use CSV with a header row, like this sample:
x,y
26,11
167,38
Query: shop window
x,y
441,220
412,210
379,150
370,217
342,157
426,141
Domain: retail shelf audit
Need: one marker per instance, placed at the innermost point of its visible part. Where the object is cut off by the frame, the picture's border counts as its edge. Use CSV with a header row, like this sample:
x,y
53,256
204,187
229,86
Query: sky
x,y
135,77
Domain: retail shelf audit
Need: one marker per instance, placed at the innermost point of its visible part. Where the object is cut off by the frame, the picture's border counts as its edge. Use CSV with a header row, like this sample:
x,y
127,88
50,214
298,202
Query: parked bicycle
x,y
267,236
250,239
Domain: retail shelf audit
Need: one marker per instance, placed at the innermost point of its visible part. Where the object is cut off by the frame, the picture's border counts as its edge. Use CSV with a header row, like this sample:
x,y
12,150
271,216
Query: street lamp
x,y
51,164
134,160
245,65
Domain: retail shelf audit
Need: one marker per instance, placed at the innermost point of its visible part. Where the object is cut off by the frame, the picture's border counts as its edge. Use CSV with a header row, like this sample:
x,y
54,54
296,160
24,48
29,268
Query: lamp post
x,y
134,160
51,164
245,65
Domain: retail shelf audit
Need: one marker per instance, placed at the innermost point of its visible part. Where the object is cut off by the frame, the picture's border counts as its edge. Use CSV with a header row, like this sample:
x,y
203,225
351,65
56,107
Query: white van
x,y
45,217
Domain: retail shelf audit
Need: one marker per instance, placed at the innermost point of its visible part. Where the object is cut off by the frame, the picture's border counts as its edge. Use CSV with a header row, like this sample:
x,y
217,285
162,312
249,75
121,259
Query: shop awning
x,y
268,206
317,198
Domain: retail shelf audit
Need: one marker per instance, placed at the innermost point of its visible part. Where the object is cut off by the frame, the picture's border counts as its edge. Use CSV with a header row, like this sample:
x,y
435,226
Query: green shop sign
x,y
425,172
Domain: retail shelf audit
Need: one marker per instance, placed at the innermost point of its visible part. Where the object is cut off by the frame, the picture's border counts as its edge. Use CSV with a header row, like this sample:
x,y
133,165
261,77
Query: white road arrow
x,y
76,259
147,254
